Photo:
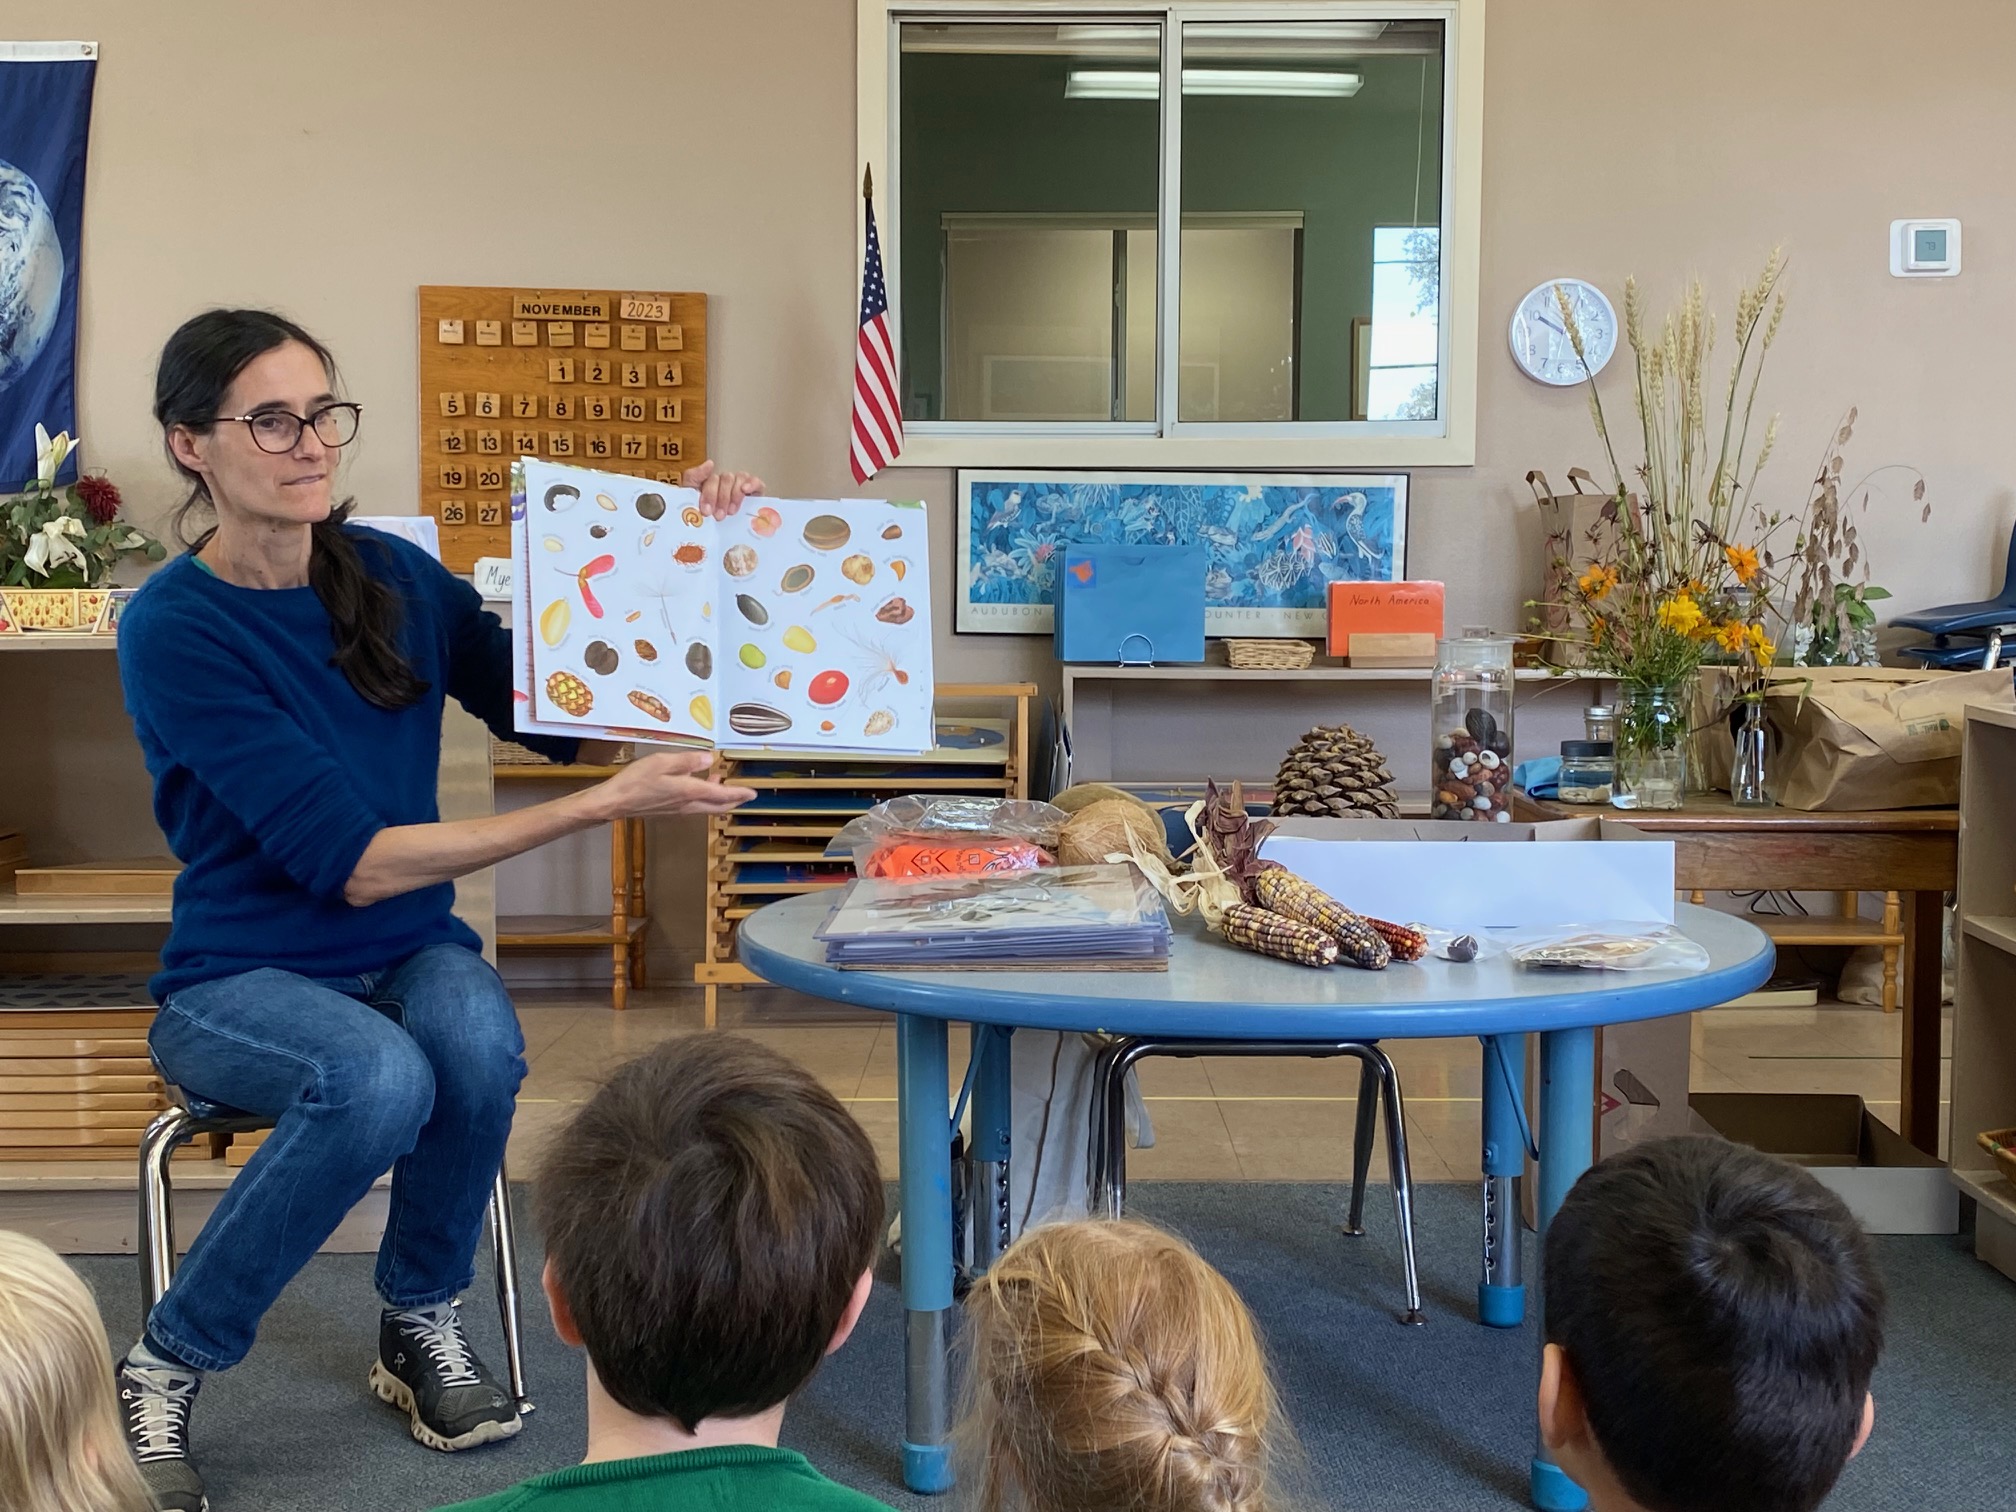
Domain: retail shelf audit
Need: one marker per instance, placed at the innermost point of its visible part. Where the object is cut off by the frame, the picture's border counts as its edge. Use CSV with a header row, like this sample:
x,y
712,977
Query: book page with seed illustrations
x,y
795,624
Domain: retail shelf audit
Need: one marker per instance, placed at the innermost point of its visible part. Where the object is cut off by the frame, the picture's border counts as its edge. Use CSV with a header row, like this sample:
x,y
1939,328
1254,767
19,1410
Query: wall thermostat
x,y
1925,248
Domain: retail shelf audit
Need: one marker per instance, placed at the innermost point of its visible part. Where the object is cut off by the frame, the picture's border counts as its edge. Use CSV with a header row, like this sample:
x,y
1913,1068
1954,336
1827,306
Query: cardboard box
x,y
1889,1184
1407,608
1563,871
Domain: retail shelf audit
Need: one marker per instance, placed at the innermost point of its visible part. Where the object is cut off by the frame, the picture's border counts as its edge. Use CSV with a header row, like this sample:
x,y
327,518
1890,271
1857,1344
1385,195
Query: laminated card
x,y
792,625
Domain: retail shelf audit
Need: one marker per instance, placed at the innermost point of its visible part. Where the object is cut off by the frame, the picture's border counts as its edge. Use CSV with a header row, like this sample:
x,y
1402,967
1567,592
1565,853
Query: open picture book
x,y
791,625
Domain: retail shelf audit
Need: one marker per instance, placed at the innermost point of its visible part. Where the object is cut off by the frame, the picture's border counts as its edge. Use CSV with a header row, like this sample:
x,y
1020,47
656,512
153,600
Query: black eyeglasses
x,y
280,431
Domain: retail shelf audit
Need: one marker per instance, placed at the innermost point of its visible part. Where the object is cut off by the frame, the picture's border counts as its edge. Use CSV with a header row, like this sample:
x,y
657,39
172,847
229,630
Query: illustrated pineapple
x,y
1333,772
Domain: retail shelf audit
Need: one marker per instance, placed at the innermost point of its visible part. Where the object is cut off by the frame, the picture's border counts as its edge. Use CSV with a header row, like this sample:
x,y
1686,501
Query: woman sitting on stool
x,y
286,680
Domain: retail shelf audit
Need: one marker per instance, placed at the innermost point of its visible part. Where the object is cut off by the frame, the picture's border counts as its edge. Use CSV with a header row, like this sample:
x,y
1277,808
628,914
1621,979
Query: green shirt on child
x,y
703,1480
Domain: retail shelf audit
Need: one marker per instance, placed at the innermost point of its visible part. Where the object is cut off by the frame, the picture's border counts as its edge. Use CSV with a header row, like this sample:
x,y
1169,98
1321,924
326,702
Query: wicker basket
x,y
2001,1143
1269,655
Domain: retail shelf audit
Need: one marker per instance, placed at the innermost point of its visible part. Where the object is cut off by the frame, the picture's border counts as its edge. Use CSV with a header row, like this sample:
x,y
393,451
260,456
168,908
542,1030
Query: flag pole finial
x,y
867,183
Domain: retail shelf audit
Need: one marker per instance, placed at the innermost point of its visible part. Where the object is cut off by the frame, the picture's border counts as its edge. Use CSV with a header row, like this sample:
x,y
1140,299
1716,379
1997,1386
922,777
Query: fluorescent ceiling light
x,y
1143,84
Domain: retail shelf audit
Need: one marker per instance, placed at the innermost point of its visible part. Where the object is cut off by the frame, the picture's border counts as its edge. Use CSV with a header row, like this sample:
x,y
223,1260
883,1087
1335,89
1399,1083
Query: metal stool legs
x,y
1378,1084
158,1251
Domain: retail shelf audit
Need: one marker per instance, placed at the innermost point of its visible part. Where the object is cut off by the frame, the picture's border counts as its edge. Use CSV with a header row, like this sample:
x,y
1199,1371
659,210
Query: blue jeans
x,y
415,1068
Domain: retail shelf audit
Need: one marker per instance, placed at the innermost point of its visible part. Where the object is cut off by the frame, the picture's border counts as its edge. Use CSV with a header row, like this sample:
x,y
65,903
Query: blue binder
x,y
1131,604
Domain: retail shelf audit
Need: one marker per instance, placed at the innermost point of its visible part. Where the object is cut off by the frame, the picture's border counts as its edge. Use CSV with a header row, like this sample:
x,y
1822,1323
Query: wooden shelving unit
x,y
1984,1004
621,931
776,847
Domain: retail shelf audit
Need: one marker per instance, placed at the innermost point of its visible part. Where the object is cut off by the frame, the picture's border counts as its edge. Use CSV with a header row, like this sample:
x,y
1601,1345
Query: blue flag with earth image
x,y
45,122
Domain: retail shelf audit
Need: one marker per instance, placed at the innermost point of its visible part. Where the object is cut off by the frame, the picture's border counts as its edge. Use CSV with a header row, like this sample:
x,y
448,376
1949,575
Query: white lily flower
x,y
50,452
51,546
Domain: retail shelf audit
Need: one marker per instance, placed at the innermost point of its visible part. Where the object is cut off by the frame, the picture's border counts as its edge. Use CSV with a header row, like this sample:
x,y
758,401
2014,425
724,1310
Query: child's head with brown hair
x,y
1110,1366
710,1217
61,1446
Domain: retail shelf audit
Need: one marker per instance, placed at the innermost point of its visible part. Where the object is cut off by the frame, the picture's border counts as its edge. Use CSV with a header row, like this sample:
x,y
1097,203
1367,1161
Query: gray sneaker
x,y
426,1368
155,1406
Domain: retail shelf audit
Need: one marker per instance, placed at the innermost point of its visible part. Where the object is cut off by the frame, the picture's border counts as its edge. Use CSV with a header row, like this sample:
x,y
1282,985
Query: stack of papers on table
x,y
1090,918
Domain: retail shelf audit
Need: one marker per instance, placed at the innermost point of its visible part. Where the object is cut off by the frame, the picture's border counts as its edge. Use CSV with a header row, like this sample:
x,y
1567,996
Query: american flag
x,y
878,414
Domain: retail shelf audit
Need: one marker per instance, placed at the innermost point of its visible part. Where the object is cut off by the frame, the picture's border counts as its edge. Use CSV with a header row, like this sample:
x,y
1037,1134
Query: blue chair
x,y
1968,635
188,1116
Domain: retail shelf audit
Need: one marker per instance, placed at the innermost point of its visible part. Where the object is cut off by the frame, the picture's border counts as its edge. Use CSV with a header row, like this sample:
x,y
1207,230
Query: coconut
x,y
1100,829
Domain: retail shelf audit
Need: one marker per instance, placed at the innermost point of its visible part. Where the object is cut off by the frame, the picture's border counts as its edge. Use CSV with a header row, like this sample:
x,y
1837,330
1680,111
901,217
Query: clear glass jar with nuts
x,y
1470,715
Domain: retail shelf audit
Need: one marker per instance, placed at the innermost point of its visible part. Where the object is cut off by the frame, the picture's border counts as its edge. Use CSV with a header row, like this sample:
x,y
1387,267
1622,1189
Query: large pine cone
x,y
1333,772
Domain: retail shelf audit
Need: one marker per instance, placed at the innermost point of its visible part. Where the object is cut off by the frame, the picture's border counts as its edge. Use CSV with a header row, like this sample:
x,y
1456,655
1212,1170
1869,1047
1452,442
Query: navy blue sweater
x,y
271,773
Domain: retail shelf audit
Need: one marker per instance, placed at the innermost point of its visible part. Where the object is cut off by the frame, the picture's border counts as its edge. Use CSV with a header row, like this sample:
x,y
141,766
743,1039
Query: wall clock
x,y
1540,343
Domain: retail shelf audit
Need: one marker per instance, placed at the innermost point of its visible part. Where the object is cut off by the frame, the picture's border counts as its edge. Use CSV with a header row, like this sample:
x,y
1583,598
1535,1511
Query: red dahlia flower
x,y
101,497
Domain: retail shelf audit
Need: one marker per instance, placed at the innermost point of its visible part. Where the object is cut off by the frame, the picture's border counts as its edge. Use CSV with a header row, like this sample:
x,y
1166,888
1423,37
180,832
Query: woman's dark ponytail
x,y
198,366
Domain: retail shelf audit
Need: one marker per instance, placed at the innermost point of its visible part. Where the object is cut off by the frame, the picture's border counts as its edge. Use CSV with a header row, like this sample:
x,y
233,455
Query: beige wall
x,y
245,154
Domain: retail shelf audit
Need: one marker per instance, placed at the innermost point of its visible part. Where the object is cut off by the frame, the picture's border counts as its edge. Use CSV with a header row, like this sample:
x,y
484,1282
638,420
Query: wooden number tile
x,y
633,375
633,338
669,375
669,411
671,338
559,369
597,370
489,475
489,511
525,443
559,333
490,443
594,406
448,332
454,475
454,404
524,406
559,407
489,333
630,407
665,477
598,443
633,445
668,450
454,512
489,406
560,443
454,441
595,333
524,333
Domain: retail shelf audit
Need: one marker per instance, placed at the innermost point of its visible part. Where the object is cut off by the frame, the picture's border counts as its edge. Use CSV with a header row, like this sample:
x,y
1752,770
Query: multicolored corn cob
x,y
1357,941
1273,934
1406,943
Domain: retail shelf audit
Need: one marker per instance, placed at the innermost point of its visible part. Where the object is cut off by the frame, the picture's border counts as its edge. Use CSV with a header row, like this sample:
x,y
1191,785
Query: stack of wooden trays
x,y
75,1080
776,846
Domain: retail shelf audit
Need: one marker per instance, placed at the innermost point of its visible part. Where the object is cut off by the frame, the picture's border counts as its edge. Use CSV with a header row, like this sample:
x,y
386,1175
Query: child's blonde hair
x,y
1110,1366
61,1446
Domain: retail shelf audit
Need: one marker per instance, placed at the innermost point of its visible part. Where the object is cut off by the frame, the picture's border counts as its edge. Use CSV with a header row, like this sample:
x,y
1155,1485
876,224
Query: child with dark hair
x,y
710,1219
1713,1319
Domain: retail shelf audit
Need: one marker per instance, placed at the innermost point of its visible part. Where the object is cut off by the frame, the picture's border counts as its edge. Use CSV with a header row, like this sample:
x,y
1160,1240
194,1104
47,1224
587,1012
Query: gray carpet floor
x,y
1391,1419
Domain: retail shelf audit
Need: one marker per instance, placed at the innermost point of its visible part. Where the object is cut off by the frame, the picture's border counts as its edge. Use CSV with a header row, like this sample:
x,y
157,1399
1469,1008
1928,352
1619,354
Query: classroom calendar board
x,y
601,378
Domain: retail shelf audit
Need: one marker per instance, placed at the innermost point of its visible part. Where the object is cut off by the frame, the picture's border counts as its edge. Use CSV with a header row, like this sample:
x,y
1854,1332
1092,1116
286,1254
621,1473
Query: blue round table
x,y
1213,990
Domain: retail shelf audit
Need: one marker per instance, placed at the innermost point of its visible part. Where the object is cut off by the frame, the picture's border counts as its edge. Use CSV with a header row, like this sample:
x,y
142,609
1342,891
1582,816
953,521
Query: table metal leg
x,y
924,1144
1918,1113
1567,1148
1501,1295
988,1194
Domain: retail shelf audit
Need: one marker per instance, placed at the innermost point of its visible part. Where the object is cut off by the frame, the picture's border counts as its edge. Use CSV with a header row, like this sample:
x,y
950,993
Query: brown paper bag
x,y
1873,737
1575,532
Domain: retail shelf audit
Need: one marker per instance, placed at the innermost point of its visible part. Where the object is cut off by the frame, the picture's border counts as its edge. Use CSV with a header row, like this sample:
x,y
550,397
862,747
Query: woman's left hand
x,y
721,493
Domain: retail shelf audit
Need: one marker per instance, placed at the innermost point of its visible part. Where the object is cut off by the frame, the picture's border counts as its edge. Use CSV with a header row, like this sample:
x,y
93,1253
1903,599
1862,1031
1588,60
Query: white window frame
x,y
1450,440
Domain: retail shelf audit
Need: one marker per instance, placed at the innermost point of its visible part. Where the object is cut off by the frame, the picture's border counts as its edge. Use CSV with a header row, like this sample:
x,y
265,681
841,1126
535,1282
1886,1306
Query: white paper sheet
x,y
798,625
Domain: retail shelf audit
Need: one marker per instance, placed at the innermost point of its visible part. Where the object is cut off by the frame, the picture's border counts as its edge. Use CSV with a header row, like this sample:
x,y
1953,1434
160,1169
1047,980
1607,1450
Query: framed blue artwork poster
x,y
1275,541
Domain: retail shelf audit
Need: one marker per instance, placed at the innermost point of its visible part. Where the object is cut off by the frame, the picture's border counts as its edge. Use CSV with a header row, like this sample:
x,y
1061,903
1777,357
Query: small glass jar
x,y
1599,722
1470,717
1587,767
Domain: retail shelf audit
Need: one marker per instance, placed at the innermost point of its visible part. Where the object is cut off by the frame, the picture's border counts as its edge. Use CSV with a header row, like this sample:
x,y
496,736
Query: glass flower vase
x,y
1651,755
